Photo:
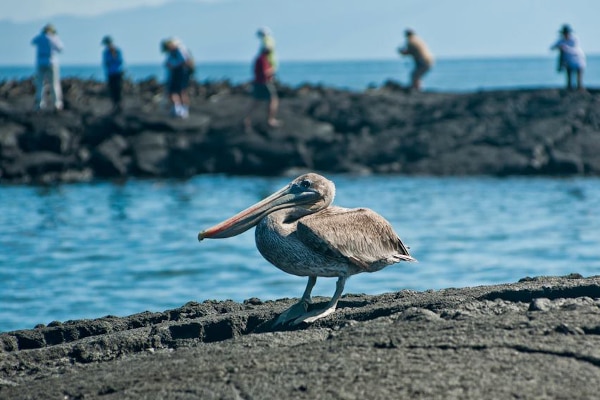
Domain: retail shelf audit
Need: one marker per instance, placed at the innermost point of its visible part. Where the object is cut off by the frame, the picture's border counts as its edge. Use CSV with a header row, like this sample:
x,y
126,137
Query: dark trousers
x,y
115,85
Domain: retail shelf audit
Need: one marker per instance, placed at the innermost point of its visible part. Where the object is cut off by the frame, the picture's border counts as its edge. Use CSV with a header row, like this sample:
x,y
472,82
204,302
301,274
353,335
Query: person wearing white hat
x,y
180,67
267,41
263,89
48,46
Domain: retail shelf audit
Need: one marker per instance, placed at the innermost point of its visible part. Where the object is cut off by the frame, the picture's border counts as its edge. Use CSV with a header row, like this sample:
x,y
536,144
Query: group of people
x,y
180,66
571,57
48,45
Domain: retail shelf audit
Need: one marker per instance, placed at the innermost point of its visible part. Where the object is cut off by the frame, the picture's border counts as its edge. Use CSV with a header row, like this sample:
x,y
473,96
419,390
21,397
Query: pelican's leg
x,y
299,308
314,315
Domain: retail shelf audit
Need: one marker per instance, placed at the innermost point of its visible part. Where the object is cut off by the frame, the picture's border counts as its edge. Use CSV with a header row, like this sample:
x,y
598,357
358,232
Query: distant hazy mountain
x,y
221,31
224,30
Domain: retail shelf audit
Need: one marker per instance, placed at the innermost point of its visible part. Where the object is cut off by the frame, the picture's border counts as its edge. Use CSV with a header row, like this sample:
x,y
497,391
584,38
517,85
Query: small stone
x,y
419,314
255,301
540,304
574,276
527,279
569,330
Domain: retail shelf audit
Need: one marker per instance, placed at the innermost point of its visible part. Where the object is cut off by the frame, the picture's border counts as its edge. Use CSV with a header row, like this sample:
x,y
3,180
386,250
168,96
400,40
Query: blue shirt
x,y
573,55
113,63
177,57
48,47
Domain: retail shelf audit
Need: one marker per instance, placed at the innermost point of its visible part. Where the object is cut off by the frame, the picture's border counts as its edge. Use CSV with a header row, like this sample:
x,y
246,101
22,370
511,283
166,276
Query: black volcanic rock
x,y
381,130
537,338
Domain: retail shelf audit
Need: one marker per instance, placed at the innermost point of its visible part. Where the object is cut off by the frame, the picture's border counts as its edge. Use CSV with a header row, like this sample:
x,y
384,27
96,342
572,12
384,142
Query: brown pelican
x,y
299,232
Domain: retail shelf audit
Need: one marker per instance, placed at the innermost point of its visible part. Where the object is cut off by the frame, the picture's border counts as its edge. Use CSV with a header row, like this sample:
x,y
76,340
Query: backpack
x,y
189,63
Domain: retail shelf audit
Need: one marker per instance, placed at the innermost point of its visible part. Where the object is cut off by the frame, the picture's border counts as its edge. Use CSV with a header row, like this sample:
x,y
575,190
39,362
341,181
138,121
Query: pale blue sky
x,y
223,30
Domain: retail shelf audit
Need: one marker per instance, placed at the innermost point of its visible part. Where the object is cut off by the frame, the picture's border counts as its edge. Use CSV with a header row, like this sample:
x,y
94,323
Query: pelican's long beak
x,y
289,196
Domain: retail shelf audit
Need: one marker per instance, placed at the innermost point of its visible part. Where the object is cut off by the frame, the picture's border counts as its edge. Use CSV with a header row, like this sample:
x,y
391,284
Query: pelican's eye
x,y
305,184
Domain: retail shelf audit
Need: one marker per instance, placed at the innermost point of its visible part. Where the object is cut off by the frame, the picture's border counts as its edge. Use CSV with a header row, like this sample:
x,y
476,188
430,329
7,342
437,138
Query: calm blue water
x,y
93,249
88,250
447,75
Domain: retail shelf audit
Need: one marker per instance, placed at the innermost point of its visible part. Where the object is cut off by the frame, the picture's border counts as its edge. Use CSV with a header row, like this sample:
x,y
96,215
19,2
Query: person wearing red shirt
x,y
264,90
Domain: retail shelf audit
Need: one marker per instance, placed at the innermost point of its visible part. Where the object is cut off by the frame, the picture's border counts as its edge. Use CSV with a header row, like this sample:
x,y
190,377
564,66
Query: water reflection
x,y
51,206
119,201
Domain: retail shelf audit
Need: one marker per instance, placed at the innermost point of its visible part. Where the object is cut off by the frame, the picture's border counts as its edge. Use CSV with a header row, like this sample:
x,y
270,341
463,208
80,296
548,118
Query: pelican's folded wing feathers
x,y
359,235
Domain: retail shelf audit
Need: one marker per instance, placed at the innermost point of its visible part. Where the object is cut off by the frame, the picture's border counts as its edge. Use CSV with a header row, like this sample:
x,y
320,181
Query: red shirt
x,y
263,72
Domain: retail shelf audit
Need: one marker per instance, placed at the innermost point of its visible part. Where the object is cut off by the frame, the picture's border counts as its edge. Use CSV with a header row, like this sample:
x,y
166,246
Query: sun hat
x,y
164,45
49,28
566,28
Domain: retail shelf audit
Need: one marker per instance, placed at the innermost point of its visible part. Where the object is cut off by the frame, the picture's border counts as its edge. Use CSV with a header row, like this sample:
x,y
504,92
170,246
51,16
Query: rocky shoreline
x,y
549,132
538,338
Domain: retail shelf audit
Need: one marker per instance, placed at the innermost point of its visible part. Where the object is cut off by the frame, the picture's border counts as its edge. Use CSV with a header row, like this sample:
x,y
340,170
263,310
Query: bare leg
x,y
273,106
185,104
248,117
299,308
314,315
175,103
415,79
185,99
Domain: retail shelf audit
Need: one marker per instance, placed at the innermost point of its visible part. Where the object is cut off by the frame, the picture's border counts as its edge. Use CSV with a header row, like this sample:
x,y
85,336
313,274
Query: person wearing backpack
x,y
180,68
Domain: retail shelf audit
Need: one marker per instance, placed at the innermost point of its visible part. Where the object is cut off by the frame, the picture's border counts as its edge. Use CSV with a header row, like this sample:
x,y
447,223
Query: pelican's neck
x,y
282,222
281,218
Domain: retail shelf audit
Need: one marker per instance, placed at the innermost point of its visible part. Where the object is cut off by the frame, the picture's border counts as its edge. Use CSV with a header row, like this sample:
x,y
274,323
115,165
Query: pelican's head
x,y
305,195
321,188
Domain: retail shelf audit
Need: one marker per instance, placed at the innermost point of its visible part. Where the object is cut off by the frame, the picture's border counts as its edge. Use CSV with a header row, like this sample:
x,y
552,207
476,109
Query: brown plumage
x,y
299,232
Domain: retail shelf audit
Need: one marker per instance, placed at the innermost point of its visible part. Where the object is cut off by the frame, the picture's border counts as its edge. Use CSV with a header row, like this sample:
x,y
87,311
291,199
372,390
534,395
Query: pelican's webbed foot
x,y
297,314
292,313
298,309
314,315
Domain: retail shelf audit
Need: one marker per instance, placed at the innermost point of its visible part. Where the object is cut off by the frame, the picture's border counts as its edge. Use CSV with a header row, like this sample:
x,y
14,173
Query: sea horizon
x,y
551,56
460,74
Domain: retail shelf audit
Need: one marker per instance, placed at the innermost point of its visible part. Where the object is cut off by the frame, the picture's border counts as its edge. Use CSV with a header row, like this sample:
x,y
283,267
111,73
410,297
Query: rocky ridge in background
x,y
380,130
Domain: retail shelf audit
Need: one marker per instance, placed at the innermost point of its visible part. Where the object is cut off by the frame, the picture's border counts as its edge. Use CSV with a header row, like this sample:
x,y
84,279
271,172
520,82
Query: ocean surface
x,y
454,75
94,249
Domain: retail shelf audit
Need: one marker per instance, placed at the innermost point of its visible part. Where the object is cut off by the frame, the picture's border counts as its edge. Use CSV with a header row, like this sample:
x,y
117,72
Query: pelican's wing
x,y
359,235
